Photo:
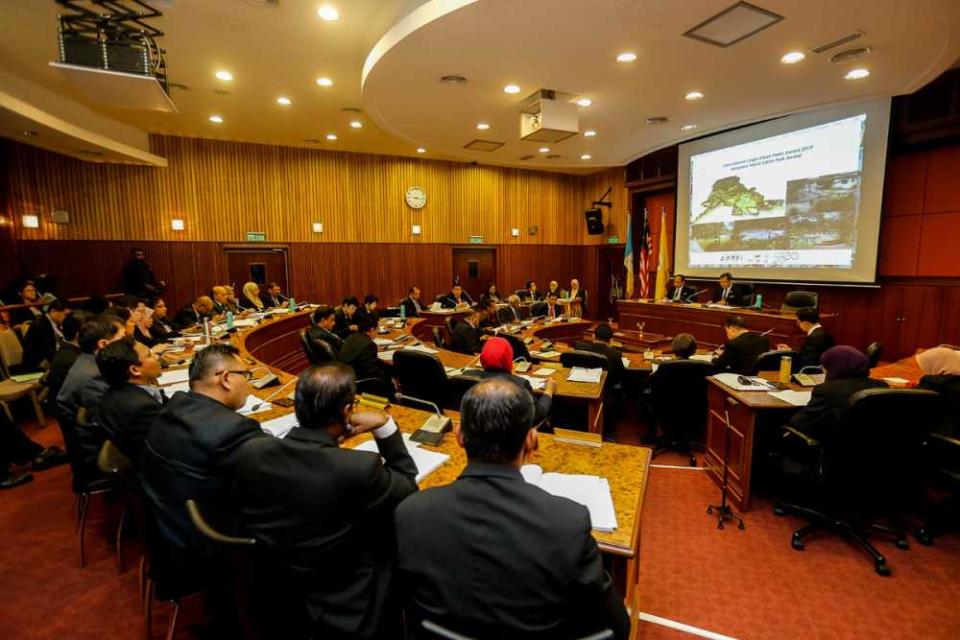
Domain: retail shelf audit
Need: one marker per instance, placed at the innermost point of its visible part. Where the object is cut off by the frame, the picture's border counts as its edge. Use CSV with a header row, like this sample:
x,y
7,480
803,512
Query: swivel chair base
x,y
660,444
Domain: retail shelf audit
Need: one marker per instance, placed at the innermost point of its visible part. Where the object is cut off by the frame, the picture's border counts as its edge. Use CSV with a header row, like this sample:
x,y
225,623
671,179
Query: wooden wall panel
x,y
899,245
939,240
905,184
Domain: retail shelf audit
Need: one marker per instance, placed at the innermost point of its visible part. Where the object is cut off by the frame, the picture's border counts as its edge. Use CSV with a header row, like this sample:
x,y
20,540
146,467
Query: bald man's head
x,y
219,294
496,418
203,304
323,395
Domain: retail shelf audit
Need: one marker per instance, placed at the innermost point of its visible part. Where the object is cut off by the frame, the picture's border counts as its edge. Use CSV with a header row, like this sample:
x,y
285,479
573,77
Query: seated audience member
x,y
578,299
602,336
42,340
941,369
490,295
143,333
251,298
324,321
17,449
741,348
848,372
680,291
533,294
488,315
192,448
554,288
457,298
66,355
125,317
220,299
95,305
128,408
192,315
28,295
360,352
160,328
683,346
496,358
551,308
729,293
466,334
232,303
346,318
411,304
327,510
138,277
271,297
535,569
817,340
370,309
511,313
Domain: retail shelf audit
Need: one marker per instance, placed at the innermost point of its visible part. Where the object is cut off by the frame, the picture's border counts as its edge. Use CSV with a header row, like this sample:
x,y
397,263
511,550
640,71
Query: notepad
x,y
582,374
171,376
593,492
795,398
427,461
280,427
254,405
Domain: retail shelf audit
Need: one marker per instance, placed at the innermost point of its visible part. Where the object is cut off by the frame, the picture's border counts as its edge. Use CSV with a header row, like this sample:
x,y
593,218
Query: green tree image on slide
x,y
730,191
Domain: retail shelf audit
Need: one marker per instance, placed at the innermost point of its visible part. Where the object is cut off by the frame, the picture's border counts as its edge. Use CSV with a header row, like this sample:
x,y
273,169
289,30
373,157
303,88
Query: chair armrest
x,y
944,439
790,431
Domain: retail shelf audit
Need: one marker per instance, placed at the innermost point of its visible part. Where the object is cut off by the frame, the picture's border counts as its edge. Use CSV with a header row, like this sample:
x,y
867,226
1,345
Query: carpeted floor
x,y
743,584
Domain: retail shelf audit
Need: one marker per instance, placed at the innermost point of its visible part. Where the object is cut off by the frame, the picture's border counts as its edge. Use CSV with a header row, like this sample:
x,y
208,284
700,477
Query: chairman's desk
x,y
625,467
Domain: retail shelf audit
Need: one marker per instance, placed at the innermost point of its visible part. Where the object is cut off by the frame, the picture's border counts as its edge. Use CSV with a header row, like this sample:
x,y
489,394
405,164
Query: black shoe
x,y
49,457
15,481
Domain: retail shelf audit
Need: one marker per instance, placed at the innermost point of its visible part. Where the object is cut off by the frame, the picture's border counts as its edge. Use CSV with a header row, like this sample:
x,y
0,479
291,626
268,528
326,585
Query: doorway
x,y
476,269
262,266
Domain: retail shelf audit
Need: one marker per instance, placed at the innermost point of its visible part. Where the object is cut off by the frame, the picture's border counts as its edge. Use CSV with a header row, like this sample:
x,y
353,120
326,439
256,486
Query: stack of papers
x,y
245,322
702,357
280,427
582,374
545,354
172,376
427,461
421,348
382,342
27,377
795,398
254,405
593,492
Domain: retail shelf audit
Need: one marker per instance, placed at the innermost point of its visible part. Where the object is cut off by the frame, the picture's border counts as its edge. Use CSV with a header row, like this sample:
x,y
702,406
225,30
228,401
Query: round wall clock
x,y
416,198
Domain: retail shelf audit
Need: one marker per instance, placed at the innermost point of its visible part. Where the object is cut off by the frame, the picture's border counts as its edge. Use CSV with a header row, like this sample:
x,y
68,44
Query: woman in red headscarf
x,y
497,362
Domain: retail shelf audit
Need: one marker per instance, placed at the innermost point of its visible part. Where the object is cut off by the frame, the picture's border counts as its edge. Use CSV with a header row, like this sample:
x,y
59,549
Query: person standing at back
x,y
138,277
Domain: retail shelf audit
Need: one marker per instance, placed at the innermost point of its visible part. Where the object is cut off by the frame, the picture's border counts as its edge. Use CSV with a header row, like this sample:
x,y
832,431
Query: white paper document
x,y
280,427
536,383
582,374
702,357
427,461
254,405
172,376
732,380
382,342
626,362
386,356
421,348
545,354
593,492
544,371
796,398
897,382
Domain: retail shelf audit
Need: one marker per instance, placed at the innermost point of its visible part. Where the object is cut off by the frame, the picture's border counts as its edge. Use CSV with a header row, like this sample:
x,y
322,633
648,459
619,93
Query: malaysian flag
x,y
645,258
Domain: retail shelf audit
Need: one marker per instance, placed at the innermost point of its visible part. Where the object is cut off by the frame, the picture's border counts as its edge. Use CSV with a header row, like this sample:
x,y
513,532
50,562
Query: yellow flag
x,y
663,260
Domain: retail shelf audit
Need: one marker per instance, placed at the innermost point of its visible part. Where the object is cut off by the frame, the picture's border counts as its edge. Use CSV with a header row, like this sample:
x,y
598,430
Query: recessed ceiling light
x,y
216,119
657,119
627,56
694,95
511,89
544,149
453,79
224,75
589,133
284,100
793,57
324,81
311,141
421,150
356,124
328,12
585,156
483,126
584,102
331,137
856,74
688,127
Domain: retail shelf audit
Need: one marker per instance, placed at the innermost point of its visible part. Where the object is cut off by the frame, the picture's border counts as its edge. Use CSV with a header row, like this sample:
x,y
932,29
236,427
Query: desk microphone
x,y
767,332
433,428
272,395
696,294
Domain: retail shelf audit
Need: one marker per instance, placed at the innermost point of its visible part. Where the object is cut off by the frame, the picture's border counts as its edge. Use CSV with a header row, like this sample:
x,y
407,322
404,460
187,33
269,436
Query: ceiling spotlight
x,y
584,102
324,81
483,126
421,150
453,79
694,95
585,156
688,127
356,124
793,57
328,12
511,89
224,75
284,101
544,149
216,119
332,137
627,56
856,74
589,133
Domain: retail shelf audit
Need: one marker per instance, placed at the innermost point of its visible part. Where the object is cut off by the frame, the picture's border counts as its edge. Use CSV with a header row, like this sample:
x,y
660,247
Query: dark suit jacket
x,y
360,352
507,315
341,322
542,403
187,317
465,338
191,452
319,333
613,355
813,347
947,386
449,302
39,344
543,309
739,295
270,302
138,279
26,314
329,511
738,354
219,309
686,293
125,415
827,402
66,355
410,308
492,556
163,330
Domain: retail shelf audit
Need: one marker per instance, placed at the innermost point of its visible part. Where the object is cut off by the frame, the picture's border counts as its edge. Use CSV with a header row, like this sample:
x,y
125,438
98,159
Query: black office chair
x,y
795,300
318,351
118,469
458,387
770,361
519,347
376,386
449,324
874,353
430,630
523,294
438,338
539,309
421,375
586,359
866,466
439,297
505,315
678,393
87,480
943,458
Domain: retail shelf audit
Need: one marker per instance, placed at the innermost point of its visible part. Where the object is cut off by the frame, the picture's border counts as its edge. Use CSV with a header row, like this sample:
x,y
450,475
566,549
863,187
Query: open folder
x,y
593,492
427,461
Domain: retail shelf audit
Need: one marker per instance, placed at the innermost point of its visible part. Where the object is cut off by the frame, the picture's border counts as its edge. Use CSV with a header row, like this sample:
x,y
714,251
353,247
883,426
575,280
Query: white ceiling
x,y
566,45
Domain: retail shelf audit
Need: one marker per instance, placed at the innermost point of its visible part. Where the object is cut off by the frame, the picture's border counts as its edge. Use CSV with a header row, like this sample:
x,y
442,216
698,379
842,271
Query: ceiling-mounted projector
x,y
549,116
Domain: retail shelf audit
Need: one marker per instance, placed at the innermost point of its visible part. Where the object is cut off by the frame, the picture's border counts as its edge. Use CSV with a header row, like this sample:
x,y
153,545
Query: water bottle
x,y
403,313
292,303
759,302
207,336
229,319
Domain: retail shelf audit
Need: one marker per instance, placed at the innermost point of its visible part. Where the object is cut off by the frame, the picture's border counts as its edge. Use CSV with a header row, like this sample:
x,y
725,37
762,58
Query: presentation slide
x,y
796,199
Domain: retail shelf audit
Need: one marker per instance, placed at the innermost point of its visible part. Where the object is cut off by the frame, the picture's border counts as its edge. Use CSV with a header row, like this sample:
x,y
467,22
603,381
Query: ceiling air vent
x,y
849,55
733,24
483,145
842,40
528,157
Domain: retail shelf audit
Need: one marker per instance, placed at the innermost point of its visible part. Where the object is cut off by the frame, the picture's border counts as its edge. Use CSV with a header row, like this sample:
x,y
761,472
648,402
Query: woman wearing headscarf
x,y
141,332
251,297
848,372
497,362
941,369
490,295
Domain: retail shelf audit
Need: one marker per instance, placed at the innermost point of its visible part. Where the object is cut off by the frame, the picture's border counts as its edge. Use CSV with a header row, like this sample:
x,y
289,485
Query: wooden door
x,y
476,268
262,266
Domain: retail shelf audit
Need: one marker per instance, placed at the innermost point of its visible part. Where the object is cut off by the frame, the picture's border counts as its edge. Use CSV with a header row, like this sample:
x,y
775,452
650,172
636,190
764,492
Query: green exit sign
x,y
256,236
613,239
476,239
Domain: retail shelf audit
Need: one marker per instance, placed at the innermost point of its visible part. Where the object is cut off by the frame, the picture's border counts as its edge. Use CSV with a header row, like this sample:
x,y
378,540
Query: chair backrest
x,y
204,527
678,392
11,351
439,297
432,630
586,359
421,375
458,385
770,361
800,300
390,312
874,353
438,338
519,347
523,294
539,308
505,315
114,462
318,351
449,324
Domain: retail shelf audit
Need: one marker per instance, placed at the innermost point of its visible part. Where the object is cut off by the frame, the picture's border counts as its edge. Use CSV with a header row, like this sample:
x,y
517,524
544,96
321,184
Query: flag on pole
x,y
663,260
645,258
628,258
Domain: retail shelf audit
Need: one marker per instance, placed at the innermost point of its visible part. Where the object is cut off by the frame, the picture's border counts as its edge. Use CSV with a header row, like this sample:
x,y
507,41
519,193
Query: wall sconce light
x,y
176,224
31,221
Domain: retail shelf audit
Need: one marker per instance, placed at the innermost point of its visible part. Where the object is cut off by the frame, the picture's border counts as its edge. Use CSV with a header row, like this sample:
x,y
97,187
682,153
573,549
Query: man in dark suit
x,y
220,299
324,319
550,308
193,314
466,335
817,340
729,293
603,334
272,298
65,356
680,291
742,347
44,336
370,309
329,511
138,277
411,304
457,298
134,400
345,321
510,314
534,569
360,352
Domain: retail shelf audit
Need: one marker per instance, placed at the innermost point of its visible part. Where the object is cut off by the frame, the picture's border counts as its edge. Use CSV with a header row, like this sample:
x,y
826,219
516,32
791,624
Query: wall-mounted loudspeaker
x,y
594,221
